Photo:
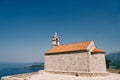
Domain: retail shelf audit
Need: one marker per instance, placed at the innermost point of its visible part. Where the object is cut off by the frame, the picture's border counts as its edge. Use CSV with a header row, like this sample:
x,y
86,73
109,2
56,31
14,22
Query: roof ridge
x,y
76,42
70,47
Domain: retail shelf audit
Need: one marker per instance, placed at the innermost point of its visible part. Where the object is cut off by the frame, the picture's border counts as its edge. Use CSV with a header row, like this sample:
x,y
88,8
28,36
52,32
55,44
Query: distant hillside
x,y
35,66
114,57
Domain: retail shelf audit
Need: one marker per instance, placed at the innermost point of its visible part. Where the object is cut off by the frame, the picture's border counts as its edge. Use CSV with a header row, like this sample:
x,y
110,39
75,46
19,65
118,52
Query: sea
x,y
7,69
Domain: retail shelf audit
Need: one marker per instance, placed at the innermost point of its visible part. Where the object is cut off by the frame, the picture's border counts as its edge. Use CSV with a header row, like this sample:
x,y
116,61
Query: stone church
x,y
78,58
81,59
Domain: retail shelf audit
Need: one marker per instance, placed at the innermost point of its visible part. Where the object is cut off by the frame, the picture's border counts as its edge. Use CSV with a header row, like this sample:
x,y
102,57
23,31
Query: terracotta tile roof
x,y
97,50
80,46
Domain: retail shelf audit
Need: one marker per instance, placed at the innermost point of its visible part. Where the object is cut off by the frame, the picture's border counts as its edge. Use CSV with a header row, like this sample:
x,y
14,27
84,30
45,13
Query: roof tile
x,y
97,50
80,46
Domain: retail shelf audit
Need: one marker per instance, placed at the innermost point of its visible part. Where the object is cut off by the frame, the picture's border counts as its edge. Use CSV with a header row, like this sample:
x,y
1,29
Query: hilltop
x,y
114,58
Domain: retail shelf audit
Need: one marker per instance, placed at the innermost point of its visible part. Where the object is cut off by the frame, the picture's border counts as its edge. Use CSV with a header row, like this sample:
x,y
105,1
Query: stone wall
x,y
67,62
97,63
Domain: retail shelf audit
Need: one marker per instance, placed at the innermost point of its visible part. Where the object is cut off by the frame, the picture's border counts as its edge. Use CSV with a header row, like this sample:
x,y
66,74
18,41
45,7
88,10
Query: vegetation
x,y
108,63
113,60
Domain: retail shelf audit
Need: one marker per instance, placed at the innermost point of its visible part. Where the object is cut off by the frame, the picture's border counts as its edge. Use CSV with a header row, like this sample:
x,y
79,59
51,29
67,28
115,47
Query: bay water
x,y
7,69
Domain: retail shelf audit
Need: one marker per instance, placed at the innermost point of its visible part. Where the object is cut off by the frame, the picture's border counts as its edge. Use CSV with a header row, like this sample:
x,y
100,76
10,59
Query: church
x,y
78,58
82,60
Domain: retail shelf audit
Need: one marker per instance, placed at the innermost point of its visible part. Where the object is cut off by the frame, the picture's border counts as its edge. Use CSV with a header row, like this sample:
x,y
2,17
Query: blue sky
x,y
27,26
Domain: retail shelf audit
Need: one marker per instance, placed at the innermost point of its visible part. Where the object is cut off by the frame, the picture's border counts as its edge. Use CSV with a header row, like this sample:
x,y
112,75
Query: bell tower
x,y
55,40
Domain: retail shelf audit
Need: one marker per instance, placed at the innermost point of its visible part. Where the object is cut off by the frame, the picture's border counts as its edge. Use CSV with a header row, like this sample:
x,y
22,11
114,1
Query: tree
x,y
108,63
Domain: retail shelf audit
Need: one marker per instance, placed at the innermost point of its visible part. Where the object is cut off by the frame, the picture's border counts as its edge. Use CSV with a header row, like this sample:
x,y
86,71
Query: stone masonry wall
x,y
97,63
67,62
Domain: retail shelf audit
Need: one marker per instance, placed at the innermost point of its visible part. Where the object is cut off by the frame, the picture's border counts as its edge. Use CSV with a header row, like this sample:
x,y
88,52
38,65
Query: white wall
x,y
67,62
97,62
